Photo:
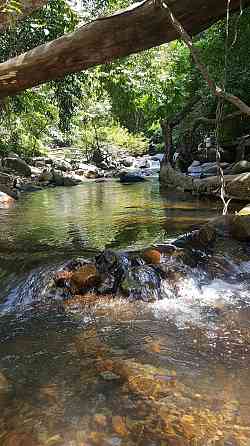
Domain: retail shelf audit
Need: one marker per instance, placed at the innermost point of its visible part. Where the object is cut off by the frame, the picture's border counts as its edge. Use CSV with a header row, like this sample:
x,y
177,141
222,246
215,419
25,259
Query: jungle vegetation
x,y
121,104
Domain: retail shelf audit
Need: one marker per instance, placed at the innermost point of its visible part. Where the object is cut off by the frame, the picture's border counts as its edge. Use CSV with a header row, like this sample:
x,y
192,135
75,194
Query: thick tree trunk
x,y
141,26
25,7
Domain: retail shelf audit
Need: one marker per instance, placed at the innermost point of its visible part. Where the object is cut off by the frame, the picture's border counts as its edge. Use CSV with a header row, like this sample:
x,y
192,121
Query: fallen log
x,y
139,27
237,187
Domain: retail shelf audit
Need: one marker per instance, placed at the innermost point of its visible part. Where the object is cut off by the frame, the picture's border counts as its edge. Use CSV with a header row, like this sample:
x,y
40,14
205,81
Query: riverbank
x,y
69,168
237,187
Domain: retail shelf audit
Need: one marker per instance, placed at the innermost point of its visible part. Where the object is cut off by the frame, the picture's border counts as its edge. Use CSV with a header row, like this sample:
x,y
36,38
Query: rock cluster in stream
x,y
33,174
144,275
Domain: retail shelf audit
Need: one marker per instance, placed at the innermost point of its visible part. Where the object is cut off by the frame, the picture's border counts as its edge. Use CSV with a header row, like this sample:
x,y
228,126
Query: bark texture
x,y
137,28
26,8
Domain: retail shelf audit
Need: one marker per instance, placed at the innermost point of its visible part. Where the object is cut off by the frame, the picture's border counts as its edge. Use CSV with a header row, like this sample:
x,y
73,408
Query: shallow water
x,y
175,372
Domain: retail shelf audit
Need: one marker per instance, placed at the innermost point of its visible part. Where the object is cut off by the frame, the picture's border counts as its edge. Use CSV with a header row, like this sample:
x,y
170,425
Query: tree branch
x,y
215,89
139,27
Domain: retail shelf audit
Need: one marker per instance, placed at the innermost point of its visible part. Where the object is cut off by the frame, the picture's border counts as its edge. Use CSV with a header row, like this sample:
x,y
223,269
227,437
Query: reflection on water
x,y
114,373
99,215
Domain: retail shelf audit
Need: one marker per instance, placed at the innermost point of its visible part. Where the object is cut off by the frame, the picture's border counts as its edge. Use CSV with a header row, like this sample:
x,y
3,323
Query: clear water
x,y
175,372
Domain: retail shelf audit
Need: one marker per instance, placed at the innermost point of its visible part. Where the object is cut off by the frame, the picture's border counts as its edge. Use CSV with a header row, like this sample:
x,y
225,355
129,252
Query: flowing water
x,y
175,372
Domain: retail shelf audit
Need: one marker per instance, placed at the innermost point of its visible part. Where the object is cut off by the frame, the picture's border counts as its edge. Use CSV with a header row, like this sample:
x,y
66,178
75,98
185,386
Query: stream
x,y
170,373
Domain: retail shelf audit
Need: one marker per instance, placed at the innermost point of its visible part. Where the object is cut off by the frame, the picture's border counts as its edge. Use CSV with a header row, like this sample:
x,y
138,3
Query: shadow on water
x,y
117,373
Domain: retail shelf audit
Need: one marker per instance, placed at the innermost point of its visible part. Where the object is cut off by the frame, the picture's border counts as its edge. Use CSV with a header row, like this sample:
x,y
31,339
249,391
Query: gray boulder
x,y
131,176
210,169
60,179
17,165
46,176
237,168
128,161
62,165
40,161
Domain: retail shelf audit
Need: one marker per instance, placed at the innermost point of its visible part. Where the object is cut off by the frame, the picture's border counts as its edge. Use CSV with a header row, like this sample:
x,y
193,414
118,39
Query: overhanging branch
x,y
215,89
141,26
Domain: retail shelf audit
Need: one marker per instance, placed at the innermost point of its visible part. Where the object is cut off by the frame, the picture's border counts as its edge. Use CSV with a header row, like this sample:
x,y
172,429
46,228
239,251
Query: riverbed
x,y
174,372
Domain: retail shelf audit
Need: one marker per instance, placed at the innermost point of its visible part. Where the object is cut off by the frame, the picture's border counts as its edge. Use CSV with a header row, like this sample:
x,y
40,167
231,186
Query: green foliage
x,y
25,120
122,139
120,102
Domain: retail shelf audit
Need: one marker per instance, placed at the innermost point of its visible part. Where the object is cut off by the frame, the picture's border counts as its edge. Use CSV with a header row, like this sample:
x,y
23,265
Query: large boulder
x,y
210,169
131,176
238,168
245,210
46,176
35,171
62,165
174,179
88,171
61,179
235,226
40,161
5,198
128,161
17,165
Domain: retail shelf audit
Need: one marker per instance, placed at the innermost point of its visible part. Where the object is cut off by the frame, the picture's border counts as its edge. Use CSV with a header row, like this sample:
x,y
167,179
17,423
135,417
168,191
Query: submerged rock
x,y
131,176
141,283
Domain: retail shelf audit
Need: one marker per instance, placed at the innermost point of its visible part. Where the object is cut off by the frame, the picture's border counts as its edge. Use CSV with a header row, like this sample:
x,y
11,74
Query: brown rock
x,y
85,278
62,277
5,198
152,256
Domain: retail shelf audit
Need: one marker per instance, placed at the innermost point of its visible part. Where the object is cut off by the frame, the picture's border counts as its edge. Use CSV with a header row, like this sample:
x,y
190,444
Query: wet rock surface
x,y
145,275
